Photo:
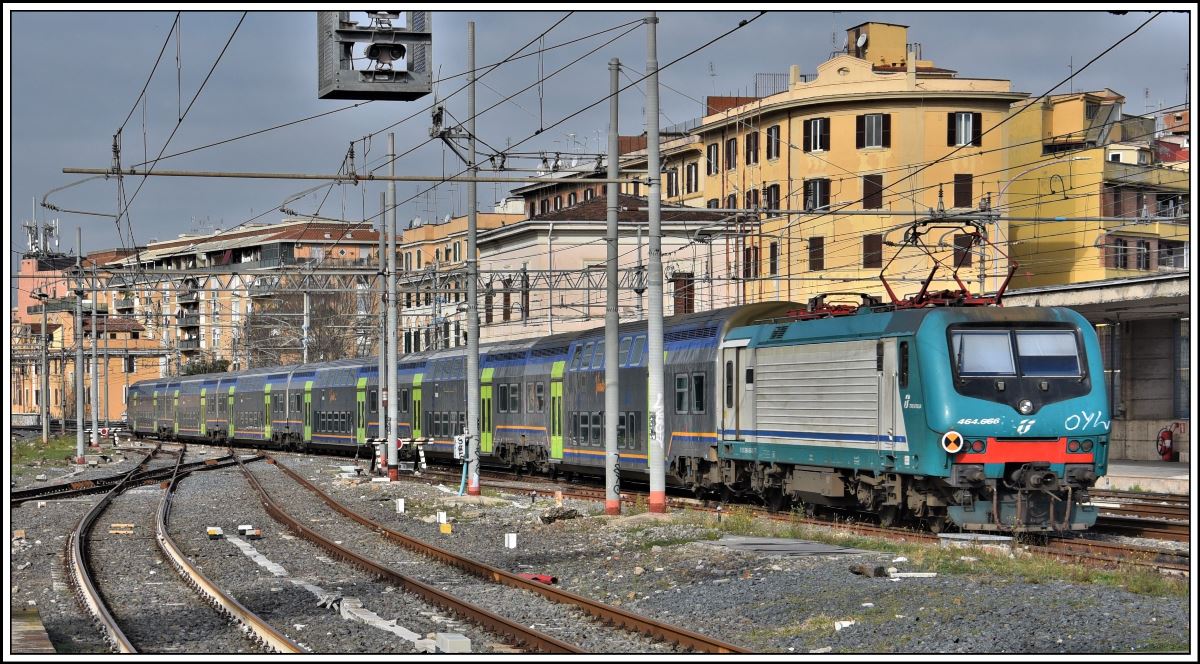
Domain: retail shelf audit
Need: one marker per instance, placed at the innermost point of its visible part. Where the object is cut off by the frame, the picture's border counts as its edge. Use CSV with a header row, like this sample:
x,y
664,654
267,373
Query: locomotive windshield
x,y
1044,353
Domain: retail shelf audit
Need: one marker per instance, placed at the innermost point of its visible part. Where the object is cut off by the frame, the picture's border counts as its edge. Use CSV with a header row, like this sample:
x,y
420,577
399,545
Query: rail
x,y
264,634
80,571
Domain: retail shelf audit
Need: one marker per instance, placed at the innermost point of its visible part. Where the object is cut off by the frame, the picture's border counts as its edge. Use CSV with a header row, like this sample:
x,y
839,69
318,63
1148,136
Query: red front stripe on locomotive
x,y
1023,451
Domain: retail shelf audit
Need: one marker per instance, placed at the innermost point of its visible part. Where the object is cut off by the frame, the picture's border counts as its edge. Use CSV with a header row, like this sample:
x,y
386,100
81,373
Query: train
x,y
980,418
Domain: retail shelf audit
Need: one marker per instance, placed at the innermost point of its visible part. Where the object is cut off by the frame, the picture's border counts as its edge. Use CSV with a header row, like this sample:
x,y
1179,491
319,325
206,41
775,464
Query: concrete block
x,y
425,645
441,517
451,642
399,506
510,540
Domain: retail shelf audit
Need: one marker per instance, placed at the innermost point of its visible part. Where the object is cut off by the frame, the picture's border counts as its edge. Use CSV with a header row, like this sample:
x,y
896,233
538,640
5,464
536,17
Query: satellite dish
x,y
862,40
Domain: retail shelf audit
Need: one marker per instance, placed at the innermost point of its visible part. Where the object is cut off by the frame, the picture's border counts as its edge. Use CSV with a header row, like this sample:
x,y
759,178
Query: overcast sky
x,y
74,76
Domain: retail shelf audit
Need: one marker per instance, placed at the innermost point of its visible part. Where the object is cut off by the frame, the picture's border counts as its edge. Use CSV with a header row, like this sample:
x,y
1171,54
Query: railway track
x,y
604,613
131,575
97,485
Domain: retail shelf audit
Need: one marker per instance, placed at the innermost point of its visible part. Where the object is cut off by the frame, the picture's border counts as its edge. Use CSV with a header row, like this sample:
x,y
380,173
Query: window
x,y
713,203
684,292
514,398
673,182
506,313
681,394
691,178
586,361
572,198
621,434
752,148
1143,254
635,353
587,194
575,358
729,384
1115,156
731,154
771,197
130,364
964,129
982,353
816,134
574,426
597,429
598,357
962,250
502,397
1118,253
712,157
816,194
539,397
873,250
1172,254
405,400
1091,109
773,142
903,377
962,190
623,351
773,260
873,130
558,202
731,202
816,253
872,192
1046,353
752,199
698,393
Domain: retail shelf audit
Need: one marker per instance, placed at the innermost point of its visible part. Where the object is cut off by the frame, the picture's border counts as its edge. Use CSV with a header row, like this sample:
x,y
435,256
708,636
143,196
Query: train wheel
x,y
888,515
776,500
937,524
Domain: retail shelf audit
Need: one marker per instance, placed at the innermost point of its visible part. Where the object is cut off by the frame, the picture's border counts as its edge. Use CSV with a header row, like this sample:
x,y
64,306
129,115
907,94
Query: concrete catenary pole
x,y
43,296
79,348
95,395
104,403
656,460
393,454
304,327
612,473
472,277
381,381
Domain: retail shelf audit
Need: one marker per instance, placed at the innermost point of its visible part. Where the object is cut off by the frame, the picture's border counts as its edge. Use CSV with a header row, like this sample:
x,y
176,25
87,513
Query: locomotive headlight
x,y
1026,406
1087,445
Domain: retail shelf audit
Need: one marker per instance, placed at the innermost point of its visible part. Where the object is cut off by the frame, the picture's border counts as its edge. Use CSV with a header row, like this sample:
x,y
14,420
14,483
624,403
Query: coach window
x,y
374,400
514,398
729,384
598,359
540,395
502,397
903,364
635,353
586,361
698,393
631,430
574,426
583,428
681,394
597,428
623,351
575,358
405,402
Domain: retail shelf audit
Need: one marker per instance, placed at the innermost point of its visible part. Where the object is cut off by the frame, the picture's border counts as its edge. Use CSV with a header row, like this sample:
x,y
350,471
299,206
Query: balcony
x,y
189,296
189,320
189,344
124,304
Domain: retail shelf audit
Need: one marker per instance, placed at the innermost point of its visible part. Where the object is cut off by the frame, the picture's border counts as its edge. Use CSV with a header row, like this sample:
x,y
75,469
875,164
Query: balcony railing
x,y
189,320
124,303
189,344
189,296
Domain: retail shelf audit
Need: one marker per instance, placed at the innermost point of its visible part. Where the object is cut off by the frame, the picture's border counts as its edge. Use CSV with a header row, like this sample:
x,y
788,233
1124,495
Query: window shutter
x,y
825,134
950,129
860,131
808,135
887,130
977,129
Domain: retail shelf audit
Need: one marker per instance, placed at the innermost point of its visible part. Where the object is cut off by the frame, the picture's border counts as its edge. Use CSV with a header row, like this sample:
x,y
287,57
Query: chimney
x,y
793,75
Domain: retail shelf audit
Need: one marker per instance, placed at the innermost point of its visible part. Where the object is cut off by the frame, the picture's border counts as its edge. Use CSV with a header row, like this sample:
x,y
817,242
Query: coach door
x,y
203,411
556,410
737,397
485,411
